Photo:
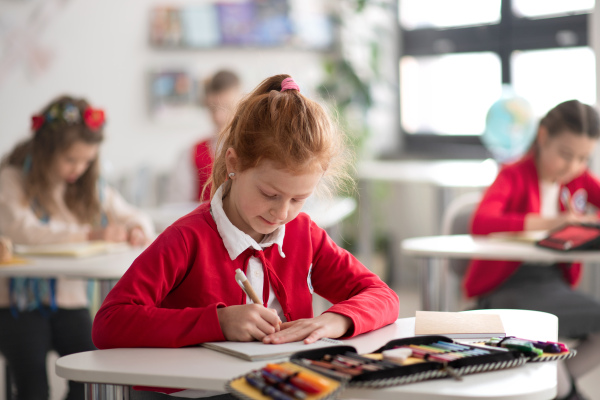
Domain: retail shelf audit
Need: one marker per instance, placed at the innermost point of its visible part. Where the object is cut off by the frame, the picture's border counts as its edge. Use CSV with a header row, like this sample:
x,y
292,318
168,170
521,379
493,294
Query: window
x,y
457,55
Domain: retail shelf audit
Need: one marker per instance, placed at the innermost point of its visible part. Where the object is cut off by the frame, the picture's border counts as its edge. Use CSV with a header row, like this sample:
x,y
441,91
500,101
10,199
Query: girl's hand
x,y
5,249
330,325
535,222
110,233
248,322
571,217
137,237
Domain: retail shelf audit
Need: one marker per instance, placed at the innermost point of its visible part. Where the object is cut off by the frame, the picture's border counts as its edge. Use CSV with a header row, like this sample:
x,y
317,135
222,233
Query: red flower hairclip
x,y
37,121
94,118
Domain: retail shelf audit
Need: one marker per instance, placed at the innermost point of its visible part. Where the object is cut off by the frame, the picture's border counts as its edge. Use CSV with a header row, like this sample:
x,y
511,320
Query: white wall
x,y
101,52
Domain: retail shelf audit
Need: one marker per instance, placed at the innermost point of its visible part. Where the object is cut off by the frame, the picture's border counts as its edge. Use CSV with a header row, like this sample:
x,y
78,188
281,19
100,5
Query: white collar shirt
x,y
236,242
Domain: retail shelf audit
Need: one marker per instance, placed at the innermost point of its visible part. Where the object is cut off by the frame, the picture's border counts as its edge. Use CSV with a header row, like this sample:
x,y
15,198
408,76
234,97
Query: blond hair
x,y
286,128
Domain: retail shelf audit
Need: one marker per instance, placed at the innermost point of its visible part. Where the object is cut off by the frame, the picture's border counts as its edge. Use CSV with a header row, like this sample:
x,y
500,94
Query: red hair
x,y
286,128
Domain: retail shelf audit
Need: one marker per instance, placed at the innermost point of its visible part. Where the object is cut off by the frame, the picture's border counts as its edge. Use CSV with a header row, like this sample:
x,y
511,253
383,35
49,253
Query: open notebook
x,y
525,236
258,351
80,249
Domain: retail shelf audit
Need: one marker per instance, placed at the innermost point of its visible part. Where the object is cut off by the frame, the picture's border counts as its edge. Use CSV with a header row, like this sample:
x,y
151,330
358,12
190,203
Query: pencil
x,y
241,278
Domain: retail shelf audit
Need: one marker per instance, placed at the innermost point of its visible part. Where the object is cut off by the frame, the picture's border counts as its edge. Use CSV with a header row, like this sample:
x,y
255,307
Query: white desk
x,y
443,174
106,268
433,248
112,371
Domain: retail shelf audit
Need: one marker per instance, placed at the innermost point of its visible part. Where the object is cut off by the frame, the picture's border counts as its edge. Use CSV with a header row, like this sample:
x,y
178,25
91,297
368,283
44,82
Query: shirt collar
x,y
236,241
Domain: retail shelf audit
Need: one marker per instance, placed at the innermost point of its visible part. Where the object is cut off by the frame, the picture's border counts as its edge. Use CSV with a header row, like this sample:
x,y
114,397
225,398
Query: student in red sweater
x,y
550,186
193,167
182,290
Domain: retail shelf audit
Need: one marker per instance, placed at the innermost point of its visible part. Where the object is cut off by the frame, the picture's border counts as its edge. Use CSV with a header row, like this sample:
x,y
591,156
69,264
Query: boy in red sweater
x,y
548,187
182,290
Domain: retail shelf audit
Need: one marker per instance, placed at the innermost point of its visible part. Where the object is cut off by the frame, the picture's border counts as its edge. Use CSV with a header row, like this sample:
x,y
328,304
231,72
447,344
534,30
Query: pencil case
x,y
243,387
546,351
384,373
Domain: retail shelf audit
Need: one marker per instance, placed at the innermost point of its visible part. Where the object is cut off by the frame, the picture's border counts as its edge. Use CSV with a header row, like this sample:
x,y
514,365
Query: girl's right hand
x,y
110,233
247,322
534,222
575,218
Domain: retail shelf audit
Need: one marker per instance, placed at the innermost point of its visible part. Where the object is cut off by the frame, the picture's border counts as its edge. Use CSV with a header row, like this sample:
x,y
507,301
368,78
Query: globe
x,y
510,128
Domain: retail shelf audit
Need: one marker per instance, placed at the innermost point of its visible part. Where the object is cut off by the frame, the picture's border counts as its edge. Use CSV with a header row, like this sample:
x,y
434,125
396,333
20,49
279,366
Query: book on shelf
x,y
459,325
79,249
259,351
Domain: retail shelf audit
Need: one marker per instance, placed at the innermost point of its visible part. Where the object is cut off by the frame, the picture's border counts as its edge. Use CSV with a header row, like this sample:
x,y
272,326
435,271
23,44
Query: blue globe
x,y
510,128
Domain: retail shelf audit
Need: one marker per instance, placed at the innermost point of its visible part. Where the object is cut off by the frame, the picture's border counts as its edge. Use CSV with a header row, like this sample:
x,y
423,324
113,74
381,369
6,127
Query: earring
x,y
231,175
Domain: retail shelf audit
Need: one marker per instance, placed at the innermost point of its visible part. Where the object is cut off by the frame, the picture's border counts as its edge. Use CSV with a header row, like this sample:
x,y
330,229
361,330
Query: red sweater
x,y
170,294
203,160
514,194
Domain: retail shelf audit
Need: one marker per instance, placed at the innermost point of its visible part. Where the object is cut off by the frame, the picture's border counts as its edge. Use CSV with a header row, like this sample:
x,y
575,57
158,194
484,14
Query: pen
x,y
244,283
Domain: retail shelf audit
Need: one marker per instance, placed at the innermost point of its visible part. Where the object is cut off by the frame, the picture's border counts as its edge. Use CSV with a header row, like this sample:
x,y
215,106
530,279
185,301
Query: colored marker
x,y
256,381
280,384
303,381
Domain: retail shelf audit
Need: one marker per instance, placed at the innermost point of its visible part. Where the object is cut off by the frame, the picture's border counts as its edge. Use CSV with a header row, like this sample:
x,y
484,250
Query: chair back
x,y
456,221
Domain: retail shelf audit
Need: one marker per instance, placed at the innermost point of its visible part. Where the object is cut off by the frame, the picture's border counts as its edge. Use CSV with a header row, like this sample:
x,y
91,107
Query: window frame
x,y
510,34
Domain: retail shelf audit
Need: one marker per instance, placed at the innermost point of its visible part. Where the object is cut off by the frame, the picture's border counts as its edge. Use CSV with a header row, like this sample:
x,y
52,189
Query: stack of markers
x,y
441,351
347,365
529,347
282,383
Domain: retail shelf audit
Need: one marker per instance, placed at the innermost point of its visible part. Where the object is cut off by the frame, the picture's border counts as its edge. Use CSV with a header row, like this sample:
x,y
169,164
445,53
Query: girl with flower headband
x,y
50,192
182,290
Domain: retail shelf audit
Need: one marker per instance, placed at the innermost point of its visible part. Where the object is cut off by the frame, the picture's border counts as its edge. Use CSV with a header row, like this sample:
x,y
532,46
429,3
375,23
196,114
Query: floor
x,y
409,303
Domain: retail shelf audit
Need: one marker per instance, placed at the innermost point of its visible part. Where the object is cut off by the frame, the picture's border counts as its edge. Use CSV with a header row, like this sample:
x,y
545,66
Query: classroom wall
x,y
99,50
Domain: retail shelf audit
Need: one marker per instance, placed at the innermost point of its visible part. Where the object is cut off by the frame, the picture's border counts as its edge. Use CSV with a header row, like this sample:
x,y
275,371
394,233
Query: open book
x,y
525,236
258,351
459,325
79,249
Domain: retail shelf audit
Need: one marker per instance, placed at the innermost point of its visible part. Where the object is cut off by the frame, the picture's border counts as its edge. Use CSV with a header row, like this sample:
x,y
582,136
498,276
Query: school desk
x,y
109,373
432,250
444,175
105,268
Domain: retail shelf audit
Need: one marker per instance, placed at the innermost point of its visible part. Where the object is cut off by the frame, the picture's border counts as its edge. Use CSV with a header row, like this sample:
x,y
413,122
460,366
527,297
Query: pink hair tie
x,y
288,83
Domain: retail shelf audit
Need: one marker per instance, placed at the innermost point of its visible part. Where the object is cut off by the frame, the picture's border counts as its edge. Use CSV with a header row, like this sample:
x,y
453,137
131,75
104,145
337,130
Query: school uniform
x,y
57,319
170,295
516,192
192,170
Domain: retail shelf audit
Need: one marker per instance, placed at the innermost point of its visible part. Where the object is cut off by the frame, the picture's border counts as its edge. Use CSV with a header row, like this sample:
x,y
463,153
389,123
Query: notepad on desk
x,y
459,325
259,351
524,236
79,249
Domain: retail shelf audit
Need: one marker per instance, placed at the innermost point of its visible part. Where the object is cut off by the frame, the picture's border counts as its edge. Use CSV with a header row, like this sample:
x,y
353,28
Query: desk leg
x,y
431,290
103,391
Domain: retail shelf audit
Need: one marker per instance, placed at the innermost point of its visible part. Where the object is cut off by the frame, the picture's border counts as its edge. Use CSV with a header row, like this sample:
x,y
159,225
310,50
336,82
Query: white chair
x,y
456,221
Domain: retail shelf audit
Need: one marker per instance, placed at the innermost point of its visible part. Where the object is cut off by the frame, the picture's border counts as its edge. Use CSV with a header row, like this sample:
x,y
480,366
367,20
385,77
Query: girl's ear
x,y
542,136
231,160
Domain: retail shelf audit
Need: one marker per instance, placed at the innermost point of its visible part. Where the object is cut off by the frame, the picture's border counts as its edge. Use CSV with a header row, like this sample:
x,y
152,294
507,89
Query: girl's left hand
x,y
330,325
137,237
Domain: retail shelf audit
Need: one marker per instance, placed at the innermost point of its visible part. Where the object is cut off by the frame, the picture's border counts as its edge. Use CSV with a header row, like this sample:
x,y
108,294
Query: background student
x,y
182,290
551,185
193,167
50,192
